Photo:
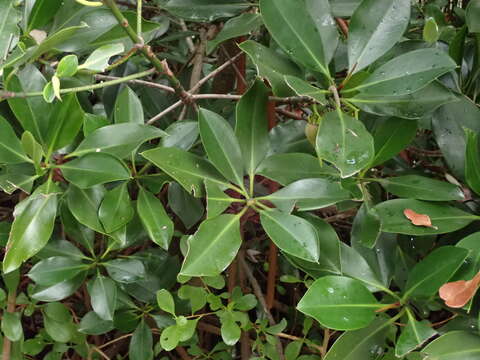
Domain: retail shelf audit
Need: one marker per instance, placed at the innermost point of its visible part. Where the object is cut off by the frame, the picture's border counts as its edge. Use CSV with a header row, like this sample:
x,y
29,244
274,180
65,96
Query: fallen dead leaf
x,y
458,293
418,219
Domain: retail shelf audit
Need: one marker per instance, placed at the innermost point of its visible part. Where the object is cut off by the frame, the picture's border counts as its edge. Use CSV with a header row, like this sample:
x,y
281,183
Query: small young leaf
x,y
165,301
67,66
98,60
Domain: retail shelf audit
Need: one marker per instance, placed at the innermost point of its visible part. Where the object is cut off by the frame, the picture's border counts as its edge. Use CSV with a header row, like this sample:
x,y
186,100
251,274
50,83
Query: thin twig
x,y
188,39
165,112
138,82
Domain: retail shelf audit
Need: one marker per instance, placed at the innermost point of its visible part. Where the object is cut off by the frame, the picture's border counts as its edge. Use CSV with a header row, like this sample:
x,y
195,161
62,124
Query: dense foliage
x,y
219,179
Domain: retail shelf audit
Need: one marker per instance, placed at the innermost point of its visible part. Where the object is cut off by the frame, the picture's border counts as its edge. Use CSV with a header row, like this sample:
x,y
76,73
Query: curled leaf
x,y
418,219
458,293
90,3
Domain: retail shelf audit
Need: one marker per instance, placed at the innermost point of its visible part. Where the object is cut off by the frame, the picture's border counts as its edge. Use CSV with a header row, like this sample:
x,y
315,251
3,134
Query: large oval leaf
x,y
84,205
454,345
339,303
56,269
444,218
375,27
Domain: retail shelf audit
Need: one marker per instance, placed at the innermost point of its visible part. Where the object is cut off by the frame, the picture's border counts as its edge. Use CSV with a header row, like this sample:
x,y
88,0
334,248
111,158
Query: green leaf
x,y
303,88
58,322
432,272
272,66
292,234
344,142
188,208
181,134
125,270
217,200
359,344
84,205
55,270
221,145
31,229
128,108
472,16
9,18
444,218
305,30
308,194
431,32
165,301
366,227
170,337
410,106
141,343
11,151
205,10
155,219
472,161
213,247
12,326
42,12
116,209
196,295
103,296
390,136
68,115
230,331
33,113
454,345
374,29
449,123
252,126
98,59
415,334
339,303
94,169
48,93
67,66
235,27
407,73
288,168
91,324
187,169
58,291
119,139
422,188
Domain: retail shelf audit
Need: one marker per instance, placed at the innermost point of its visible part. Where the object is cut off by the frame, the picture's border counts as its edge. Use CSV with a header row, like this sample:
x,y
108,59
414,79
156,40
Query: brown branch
x,y
138,82
343,25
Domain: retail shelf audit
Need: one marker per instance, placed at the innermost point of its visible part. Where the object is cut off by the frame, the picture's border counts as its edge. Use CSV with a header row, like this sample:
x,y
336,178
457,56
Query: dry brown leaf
x,y
418,219
458,293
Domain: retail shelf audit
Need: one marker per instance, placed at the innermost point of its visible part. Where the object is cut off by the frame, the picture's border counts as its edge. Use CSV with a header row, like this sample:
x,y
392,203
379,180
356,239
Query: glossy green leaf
x,y
472,16
288,168
119,139
410,106
67,66
217,200
366,227
407,73
213,247
42,12
230,331
187,169
33,113
103,296
344,142
305,30
128,108
155,219
359,344
91,324
303,88
205,10
94,169
11,151
339,303
390,136
415,334
292,234
93,122
31,229
472,161
197,296
9,18
187,207
308,194
116,209
125,270
98,59
221,145
58,322
444,218
432,272
422,188
55,270
235,27
251,128
141,343
68,115
12,326
181,134
454,345
170,337
431,32
272,66
449,123
165,301
84,205
374,29
58,291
